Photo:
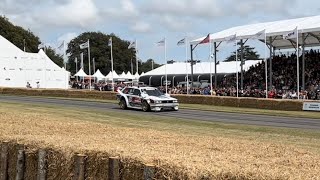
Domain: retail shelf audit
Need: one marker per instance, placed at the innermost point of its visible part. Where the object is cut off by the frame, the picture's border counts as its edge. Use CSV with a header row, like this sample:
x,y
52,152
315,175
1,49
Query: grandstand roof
x,y
308,25
180,68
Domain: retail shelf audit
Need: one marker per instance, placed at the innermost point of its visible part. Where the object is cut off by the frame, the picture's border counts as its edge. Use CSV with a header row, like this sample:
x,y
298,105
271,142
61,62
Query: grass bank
x,y
181,148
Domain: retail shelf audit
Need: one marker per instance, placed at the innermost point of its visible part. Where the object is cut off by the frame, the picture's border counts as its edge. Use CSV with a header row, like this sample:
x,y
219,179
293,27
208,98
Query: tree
x,y
100,51
56,58
19,36
248,53
147,66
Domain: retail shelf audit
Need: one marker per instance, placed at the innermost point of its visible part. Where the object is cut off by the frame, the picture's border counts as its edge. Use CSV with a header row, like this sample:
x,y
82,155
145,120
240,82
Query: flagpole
x,y
265,62
237,68
137,64
187,64
298,78
76,61
165,58
112,85
94,68
210,51
89,65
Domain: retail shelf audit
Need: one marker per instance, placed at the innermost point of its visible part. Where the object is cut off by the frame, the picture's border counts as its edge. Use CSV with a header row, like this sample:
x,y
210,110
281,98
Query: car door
x,y
136,97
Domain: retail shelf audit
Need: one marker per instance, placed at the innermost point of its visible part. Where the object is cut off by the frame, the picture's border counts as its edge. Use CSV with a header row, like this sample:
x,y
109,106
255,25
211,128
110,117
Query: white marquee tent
x,y
81,73
201,68
18,67
99,75
114,74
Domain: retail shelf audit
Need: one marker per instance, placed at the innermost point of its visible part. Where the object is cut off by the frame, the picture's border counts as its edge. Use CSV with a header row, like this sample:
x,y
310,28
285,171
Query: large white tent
x,y
17,68
309,27
180,68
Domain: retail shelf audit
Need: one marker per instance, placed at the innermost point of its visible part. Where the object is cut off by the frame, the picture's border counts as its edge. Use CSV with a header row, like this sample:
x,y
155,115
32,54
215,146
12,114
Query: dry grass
x,y
194,156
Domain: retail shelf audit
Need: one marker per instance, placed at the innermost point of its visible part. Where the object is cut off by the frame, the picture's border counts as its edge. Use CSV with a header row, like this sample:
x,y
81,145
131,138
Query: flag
x,y
61,45
41,46
132,45
110,42
84,45
205,40
182,42
259,35
230,39
292,34
161,43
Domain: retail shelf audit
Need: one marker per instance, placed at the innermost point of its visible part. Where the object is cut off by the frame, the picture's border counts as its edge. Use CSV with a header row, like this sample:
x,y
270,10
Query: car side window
x,y
126,90
136,92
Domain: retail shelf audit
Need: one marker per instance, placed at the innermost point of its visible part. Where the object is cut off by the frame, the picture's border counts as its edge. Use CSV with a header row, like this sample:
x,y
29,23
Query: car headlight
x,y
157,102
175,101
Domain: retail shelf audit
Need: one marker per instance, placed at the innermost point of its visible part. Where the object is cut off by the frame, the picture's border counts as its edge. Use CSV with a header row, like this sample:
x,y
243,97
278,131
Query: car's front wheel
x,y
145,106
123,104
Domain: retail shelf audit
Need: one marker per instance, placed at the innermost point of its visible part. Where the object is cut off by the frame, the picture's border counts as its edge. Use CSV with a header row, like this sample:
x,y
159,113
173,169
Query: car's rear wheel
x,y
123,104
145,106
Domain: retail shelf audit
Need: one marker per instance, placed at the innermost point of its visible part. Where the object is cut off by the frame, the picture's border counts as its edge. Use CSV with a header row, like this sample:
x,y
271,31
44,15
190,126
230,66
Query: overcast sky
x,y
150,21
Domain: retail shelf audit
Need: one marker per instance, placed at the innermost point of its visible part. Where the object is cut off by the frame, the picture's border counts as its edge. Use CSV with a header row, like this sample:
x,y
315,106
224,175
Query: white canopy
x,y
81,73
129,75
136,76
308,25
17,68
98,75
201,68
115,75
123,75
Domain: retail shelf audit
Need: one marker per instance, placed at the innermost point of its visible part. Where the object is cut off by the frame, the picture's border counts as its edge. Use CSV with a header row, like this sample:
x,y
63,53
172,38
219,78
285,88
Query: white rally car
x,y
146,98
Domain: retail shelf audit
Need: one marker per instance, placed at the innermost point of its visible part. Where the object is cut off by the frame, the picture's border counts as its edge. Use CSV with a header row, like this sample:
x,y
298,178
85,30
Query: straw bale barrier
x,y
272,104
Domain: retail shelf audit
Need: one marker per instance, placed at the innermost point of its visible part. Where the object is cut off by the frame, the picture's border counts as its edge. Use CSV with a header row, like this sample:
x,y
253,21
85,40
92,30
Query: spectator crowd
x,y
284,80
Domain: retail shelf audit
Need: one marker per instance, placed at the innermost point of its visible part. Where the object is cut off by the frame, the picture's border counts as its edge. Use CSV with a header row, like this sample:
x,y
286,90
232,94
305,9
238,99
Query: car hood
x,y
161,98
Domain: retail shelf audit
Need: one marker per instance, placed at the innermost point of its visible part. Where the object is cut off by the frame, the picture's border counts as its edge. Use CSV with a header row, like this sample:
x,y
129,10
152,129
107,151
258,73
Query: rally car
x,y
146,98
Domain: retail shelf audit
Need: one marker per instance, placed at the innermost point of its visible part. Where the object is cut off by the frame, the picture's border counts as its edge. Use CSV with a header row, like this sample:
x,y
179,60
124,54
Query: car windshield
x,y
153,92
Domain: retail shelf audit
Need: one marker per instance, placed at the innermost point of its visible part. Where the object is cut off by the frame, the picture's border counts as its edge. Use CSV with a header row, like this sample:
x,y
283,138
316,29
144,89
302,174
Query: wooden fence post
x,y
42,165
80,167
4,161
148,172
20,165
114,168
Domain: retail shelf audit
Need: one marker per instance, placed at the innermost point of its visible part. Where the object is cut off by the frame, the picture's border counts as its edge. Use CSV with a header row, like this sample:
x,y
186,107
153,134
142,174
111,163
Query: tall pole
x,y
89,65
137,63
165,58
76,61
94,67
265,62
210,51
131,66
64,55
241,65
191,61
237,75
270,68
187,65
24,45
152,64
112,85
215,65
298,78
303,62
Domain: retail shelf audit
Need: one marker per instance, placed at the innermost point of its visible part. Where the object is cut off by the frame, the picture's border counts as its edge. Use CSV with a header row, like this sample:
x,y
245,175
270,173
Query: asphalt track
x,y
221,117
